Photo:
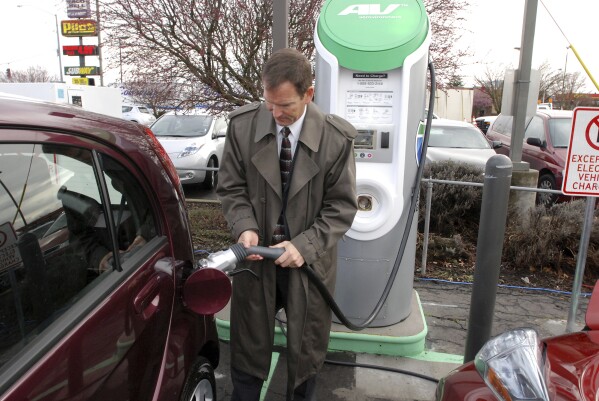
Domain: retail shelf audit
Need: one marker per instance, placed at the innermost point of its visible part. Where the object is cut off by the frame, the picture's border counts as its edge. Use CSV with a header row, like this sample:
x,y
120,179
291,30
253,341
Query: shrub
x,y
549,238
542,239
455,209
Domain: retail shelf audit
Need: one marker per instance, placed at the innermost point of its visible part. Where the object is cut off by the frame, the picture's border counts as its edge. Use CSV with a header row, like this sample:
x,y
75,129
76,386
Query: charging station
x,y
371,64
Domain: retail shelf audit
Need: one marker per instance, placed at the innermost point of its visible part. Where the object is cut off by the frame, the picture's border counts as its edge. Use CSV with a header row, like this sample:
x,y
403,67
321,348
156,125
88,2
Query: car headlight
x,y
511,364
190,150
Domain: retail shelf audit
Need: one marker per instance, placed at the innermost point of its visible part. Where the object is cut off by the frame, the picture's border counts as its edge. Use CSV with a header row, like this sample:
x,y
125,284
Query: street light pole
x,y
121,59
564,79
58,48
120,38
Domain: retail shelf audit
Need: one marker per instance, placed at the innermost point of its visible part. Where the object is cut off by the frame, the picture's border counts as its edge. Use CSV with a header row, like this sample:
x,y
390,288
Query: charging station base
x,y
406,338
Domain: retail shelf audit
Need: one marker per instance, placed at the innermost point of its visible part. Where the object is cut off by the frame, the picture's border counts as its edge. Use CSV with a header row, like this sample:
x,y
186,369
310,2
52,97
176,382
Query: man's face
x,y
285,104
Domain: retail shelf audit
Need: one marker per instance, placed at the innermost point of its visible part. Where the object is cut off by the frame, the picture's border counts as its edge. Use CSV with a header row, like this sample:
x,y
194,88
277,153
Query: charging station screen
x,y
364,139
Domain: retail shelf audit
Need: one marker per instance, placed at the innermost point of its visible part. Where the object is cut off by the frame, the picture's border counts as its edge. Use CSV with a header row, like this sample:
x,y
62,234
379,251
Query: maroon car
x,y
545,147
94,250
516,365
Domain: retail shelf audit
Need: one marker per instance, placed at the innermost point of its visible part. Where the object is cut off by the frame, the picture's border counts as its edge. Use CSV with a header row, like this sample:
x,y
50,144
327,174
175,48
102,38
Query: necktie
x,y
285,158
285,161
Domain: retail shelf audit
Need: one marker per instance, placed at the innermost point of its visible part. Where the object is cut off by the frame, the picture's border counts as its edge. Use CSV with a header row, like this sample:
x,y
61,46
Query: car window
x,y
220,126
56,243
182,125
144,110
457,137
535,129
127,109
560,130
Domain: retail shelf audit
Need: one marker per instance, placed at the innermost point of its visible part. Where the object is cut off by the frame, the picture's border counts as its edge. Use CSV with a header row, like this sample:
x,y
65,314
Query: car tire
x,y
211,176
200,384
546,181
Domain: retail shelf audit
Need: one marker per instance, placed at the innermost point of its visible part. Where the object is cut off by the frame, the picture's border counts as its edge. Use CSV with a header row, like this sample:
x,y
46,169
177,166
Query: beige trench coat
x,y
321,207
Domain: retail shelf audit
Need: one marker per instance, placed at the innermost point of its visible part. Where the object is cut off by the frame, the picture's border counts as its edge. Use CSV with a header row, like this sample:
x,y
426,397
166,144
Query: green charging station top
x,y
372,35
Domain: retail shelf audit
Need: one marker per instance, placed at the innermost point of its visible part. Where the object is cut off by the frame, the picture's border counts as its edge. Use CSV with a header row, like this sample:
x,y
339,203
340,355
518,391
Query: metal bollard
x,y
491,231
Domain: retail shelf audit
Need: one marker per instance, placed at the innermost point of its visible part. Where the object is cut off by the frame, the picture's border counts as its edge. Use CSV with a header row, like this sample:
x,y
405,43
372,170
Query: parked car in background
x,y
517,365
545,146
484,122
458,141
138,114
95,246
194,140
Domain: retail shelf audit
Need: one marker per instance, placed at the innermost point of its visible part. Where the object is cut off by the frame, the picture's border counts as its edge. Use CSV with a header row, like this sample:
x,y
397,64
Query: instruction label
x,y
371,103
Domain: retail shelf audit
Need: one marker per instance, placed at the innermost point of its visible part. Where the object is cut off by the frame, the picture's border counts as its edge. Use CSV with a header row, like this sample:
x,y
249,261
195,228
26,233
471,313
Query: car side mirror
x,y
219,134
535,142
496,144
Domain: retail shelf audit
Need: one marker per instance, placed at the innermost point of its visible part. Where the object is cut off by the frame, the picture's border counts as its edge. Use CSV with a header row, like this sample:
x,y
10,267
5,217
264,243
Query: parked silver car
x,y
194,140
460,142
138,114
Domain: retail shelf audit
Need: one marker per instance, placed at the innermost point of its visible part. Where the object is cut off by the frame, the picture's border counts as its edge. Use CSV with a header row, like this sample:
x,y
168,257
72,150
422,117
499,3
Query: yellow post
x,y
584,66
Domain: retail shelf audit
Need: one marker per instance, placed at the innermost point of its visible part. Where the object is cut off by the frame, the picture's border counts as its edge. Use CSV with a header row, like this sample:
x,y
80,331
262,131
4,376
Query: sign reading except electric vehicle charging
x,y
9,252
581,176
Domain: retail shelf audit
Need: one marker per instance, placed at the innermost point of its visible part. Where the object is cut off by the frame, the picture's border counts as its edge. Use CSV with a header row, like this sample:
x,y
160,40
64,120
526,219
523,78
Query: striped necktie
x,y
285,161
285,158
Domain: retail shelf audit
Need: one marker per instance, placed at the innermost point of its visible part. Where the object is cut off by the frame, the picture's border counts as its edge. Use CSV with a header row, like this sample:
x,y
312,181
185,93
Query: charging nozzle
x,y
208,289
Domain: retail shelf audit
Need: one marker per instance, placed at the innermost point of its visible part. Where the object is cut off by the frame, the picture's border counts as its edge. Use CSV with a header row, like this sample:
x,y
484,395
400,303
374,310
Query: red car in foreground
x,y
95,247
517,365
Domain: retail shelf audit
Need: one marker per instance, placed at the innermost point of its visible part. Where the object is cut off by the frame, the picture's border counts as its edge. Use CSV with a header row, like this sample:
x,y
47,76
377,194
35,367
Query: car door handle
x,y
146,301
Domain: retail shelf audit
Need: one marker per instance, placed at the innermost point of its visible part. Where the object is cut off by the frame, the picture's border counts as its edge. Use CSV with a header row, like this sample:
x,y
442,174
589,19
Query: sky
x,y
492,29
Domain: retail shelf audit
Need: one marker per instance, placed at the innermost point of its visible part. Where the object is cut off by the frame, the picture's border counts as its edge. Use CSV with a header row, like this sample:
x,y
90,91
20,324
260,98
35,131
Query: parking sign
x,y
581,175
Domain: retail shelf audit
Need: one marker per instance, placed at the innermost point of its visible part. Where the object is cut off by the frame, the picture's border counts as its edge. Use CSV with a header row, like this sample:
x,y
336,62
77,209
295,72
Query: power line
x,y
556,24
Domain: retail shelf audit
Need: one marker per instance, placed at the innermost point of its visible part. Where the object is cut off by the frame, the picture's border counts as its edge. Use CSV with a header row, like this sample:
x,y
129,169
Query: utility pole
x,y
100,43
280,24
522,85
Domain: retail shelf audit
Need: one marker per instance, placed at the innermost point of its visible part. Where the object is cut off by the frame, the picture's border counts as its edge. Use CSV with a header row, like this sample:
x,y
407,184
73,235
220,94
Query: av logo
x,y
369,9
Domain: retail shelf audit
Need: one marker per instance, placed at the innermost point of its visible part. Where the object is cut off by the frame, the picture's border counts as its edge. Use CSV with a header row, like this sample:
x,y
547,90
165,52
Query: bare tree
x,y
549,81
491,83
145,89
482,103
216,48
445,31
569,95
31,74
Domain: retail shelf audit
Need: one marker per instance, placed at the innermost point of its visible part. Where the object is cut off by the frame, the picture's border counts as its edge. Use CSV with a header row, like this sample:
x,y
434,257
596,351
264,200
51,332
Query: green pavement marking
x,y
273,366
431,356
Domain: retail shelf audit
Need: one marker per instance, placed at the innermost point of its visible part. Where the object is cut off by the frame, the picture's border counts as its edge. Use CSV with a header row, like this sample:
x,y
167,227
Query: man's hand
x,y
291,257
249,238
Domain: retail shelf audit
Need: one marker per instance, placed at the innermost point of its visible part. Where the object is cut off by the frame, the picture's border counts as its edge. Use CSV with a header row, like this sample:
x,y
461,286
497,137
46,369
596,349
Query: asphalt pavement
x,y
446,309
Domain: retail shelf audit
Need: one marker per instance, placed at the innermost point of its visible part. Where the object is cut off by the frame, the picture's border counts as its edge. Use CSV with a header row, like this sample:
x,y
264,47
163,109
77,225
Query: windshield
x,y
559,131
182,125
457,137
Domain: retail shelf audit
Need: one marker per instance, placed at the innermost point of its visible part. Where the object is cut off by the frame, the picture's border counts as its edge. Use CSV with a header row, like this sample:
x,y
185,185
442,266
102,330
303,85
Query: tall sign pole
x,y
522,85
99,42
58,49
280,24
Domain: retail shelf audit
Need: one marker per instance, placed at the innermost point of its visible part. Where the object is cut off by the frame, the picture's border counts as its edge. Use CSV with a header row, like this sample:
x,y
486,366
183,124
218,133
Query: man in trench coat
x,y
320,207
